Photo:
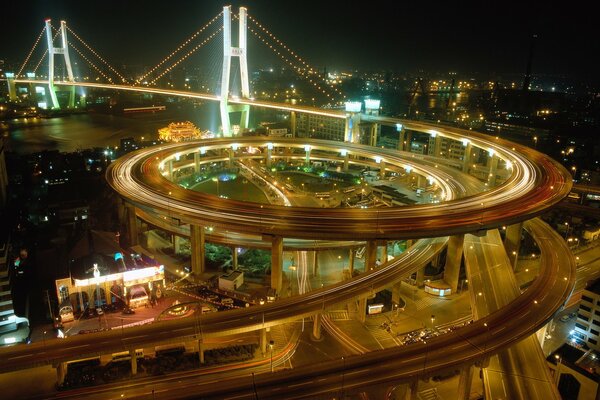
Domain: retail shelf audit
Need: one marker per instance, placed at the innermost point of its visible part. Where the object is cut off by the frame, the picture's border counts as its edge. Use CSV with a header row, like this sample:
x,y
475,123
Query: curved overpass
x,y
537,182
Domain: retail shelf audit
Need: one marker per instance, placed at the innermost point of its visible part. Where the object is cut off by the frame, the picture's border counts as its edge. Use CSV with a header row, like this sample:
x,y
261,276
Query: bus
x,y
126,355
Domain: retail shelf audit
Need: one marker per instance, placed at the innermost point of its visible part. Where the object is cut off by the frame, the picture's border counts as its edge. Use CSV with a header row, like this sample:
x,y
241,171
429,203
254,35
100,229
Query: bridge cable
x,y
309,70
181,46
31,51
96,54
184,57
40,62
91,63
299,70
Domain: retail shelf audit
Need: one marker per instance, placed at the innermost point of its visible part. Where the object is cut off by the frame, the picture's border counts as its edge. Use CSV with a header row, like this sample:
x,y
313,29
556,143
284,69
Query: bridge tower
x,y
241,52
64,51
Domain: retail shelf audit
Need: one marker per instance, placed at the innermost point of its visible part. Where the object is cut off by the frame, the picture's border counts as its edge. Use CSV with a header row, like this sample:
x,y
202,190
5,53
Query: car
x,y
99,311
128,310
565,318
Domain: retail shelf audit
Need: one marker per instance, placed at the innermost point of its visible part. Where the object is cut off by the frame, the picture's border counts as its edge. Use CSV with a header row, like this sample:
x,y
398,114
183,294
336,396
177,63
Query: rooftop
x,y
586,362
594,286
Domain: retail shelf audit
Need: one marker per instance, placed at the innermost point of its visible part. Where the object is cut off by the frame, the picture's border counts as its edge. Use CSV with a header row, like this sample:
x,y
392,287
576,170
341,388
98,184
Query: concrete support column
x,y
351,261
197,248
269,153
177,243
396,292
493,171
467,157
196,162
421,277
407,146
512,242
453,261
370,255
12,90
411,390
401,139
61,372
293,124
362,309
263,341
437,146
384,253
71,97
133,362
276,262
231,155
373,135
346,161
317,326
420,180
307,155
170,169
464,383
315,270
201,351
132,232
234,257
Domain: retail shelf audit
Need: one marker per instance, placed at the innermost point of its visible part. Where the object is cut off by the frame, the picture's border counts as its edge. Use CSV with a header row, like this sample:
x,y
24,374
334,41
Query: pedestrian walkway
x,y
339,315
384,337
429,394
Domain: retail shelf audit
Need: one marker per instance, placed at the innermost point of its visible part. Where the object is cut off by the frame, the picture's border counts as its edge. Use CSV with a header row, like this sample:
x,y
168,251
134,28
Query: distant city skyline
x,y
385,35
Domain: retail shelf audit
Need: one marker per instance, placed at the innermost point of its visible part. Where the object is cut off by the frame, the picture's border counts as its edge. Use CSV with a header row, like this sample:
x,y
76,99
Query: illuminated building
x,y
102,273
587,327
320,126
178,131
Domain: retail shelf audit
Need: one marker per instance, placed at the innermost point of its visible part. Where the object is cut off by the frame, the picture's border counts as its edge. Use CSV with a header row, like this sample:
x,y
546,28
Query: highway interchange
x,y
536,183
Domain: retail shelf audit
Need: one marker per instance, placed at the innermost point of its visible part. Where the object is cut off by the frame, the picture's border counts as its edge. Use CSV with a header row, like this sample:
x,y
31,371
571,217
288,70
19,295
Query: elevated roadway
x,y
537,183
476,342
518,372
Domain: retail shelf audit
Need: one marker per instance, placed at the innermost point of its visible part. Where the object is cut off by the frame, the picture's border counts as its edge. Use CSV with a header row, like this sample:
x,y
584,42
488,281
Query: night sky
x,y
405,36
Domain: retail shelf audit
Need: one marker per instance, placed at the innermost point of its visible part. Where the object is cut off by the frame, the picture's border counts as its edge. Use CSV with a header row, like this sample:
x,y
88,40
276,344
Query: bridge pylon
x,y
64,51
241,52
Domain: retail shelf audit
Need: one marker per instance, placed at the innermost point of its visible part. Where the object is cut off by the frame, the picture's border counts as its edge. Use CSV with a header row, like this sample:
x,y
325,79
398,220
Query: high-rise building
x,y
587,327
320,127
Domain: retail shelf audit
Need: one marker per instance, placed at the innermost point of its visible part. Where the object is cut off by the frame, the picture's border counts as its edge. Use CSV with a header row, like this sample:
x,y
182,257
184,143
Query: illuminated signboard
x,y
353,106
375,308
372,104
154,273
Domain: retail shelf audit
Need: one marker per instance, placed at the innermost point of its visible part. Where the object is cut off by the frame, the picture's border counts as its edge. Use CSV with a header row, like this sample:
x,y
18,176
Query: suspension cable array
x,y
96,54
179,48
94,66
185,56
31,51
305,70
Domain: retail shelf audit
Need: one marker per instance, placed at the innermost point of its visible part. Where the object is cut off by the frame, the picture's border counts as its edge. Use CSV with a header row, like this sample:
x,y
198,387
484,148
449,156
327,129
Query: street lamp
x,y
216,179
271,343
432,320
558,362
